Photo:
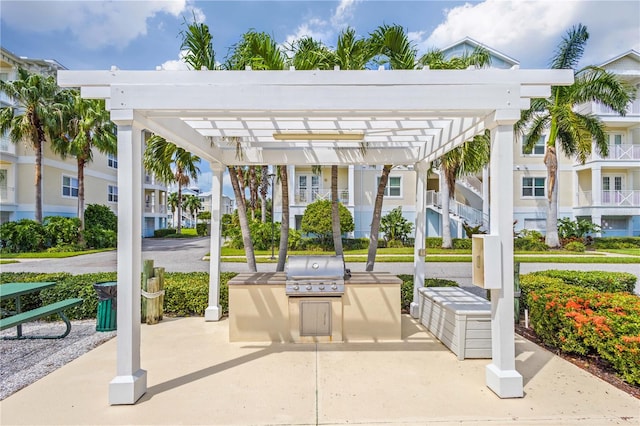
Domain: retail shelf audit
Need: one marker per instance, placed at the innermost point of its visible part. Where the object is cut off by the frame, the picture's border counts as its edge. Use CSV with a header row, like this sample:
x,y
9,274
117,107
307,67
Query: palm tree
x,y
263,189
159,155
283,247
571,130
172,202
193,204
473,155
87,125
391,44
35,117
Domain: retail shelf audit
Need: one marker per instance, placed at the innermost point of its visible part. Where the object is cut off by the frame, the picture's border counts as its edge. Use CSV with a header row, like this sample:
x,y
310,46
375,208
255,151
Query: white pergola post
x,y
130,382
419,251
501,375
213,311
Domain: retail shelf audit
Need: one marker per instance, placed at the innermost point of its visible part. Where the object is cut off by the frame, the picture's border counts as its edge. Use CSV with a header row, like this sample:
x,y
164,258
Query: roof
x,y
317,117
468,41
631,53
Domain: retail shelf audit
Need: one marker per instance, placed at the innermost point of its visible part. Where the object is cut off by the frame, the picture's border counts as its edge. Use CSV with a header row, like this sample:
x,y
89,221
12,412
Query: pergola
x,y
408,117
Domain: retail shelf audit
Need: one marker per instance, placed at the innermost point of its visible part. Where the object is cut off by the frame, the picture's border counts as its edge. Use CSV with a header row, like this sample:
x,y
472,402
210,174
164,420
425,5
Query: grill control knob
x,y
321,287
334,287
309,287
296,287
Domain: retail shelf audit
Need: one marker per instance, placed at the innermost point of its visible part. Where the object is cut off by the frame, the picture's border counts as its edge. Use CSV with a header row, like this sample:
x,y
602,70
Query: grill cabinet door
x,y
315,318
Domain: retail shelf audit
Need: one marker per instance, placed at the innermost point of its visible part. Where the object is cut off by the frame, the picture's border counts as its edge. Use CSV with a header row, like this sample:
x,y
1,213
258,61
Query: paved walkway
x,y
195,376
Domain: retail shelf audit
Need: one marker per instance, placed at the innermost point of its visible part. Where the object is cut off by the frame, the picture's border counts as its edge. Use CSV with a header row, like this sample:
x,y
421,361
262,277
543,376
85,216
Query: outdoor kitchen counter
x,y
260,310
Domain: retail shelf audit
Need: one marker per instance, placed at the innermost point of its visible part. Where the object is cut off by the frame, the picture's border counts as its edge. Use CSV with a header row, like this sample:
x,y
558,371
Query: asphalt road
x,y
185,255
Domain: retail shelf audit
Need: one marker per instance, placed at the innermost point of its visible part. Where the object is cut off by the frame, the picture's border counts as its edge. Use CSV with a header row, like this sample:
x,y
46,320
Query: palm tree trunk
x,y
444,201
284,224
264,186
375,222
335,212
80,164
551,161
179,208
38,182
244,223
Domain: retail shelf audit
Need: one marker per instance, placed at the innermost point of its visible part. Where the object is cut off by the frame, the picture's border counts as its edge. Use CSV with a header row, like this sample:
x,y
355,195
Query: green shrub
x,y
100,238
61,231
394,244
22,236
616,242
575,246
188,293
160,233
355,243
394,226
65,248
316,221
611,282
461,243
406,290
433,242
529,240
100,216
585,321
202,229
294,239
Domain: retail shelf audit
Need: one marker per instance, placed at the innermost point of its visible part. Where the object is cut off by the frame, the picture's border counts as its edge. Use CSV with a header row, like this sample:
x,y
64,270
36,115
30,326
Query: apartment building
x,y
603,190
59,176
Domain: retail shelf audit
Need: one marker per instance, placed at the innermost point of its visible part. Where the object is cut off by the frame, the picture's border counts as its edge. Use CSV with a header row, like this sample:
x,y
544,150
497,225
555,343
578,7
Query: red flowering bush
x,y
585,321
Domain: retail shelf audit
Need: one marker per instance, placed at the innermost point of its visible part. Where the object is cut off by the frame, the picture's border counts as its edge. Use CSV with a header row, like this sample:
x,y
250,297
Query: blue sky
x,y
141,35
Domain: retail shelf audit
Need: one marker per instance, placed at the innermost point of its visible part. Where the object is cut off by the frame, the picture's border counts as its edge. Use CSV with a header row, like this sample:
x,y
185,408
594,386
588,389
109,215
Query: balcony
x,y
151,208
457,209
627,198
598,109
6,147
7,195
307,196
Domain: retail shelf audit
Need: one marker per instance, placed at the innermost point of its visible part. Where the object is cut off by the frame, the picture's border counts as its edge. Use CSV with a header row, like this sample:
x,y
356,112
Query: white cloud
x,y
529,31
343,13
176,65
95,24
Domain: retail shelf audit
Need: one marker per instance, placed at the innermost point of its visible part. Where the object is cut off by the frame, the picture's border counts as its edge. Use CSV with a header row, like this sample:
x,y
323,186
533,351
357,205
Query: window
x,y
533,187
112,161
394,186
112,195
538,148
69,186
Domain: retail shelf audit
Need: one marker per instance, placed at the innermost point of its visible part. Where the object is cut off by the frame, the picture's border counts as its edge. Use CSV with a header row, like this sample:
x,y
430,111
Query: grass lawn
x,y
4,262
47,255
629,252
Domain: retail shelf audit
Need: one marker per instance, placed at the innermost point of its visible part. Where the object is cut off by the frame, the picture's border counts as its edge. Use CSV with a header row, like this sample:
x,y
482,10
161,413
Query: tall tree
x,y
87,126
159,155
193,204
263,189
172,202
283,247
260,52
33,119
391,45
473,155
568,129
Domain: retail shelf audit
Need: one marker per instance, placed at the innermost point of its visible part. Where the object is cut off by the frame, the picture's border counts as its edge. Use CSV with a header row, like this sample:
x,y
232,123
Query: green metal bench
x,y
55,308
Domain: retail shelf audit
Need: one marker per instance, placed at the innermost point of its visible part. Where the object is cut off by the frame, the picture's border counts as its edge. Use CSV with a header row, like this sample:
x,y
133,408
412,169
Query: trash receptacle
x,y
107,308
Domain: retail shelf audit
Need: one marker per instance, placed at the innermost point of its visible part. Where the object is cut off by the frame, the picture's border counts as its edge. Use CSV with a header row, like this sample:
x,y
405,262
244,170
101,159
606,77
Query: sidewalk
x,y
196,377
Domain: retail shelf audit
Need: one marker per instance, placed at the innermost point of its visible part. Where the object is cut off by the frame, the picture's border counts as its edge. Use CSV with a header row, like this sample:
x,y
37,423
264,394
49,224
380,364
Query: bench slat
x,y
37,313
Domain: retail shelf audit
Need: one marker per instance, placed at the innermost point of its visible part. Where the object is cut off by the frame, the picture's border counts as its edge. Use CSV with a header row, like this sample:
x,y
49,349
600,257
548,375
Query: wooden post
x,y
159,274
147,272
152,303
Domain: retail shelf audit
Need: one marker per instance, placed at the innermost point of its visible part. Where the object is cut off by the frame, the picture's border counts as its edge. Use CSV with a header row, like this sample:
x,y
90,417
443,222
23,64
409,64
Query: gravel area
x,y
23,362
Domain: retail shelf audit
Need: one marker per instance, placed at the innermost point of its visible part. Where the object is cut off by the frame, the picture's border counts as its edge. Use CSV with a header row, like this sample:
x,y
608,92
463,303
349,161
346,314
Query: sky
x,y
145,34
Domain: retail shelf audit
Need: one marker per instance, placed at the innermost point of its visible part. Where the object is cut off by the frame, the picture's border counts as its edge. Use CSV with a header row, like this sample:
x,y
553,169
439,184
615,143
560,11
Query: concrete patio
x,y
196,377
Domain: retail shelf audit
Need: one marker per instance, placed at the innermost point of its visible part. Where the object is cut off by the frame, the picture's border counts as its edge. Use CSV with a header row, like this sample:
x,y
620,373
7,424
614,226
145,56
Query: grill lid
x,y
315,267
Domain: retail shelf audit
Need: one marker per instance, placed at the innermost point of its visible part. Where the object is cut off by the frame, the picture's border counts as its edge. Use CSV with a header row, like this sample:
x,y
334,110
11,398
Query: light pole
x,y
272,176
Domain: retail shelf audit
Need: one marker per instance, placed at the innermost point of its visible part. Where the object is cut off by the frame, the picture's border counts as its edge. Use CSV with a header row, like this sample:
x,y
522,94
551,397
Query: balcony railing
x,y
7,194
151,208
307,196
467,213
626,198
632,109
624,152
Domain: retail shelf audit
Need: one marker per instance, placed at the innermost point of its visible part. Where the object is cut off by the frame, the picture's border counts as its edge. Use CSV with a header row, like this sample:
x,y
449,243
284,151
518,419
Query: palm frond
x,y
571,49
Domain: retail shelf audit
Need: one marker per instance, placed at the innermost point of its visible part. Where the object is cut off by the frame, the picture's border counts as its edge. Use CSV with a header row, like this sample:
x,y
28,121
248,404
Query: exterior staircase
x,y
457,211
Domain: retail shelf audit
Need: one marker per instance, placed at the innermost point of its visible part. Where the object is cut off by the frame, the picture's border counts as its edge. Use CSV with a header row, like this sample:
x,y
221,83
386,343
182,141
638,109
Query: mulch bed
x,y
591,363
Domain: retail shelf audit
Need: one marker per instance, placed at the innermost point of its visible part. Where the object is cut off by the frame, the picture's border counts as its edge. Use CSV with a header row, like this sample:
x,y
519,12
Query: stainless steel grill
x,y
315,276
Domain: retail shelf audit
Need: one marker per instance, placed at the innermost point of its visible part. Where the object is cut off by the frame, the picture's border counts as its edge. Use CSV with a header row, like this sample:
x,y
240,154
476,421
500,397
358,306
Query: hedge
x,y
406,290
578,318
185,293
159,233
611,282
456,243
616,242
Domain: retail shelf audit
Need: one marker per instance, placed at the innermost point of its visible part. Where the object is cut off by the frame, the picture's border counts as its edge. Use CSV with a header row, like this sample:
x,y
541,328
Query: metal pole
x,y
272,176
